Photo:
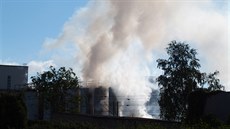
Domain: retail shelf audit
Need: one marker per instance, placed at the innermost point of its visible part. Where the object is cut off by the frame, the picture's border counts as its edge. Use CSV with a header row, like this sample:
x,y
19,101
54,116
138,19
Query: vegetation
x,y
13,112
86,125
56,89
181,76
196,108
59,125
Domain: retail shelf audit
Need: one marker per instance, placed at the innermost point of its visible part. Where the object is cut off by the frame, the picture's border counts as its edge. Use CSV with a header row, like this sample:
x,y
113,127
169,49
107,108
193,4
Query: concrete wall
x,y
32,104
98,101
101,101
113,103
13,77
31,100
84,101
218,105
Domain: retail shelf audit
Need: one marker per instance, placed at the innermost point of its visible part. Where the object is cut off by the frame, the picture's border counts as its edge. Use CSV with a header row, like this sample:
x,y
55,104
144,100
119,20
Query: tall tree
x,y
181,76
55,87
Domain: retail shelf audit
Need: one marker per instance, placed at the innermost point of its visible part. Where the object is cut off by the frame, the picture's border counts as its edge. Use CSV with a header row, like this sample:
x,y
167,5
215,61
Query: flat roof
x,y
3,65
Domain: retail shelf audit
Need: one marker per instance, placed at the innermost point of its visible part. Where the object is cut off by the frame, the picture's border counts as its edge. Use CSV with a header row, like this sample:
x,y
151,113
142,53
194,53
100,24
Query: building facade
x,y
13,77
98,101
218,105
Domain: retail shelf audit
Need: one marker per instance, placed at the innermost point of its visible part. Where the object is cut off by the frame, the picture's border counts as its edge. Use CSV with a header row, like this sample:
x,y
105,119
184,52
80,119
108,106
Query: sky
x,y
25,24
116,42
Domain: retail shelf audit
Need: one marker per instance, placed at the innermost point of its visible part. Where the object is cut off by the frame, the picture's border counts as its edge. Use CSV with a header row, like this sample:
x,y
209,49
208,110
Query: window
x,y
8,82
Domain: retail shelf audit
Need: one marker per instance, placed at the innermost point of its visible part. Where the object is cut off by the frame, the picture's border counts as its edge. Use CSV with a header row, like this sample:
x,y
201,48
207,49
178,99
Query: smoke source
x,y
118,41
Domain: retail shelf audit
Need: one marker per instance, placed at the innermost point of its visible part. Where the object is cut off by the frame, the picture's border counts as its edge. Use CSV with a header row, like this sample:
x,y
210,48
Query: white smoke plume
x,y
118,41
39,66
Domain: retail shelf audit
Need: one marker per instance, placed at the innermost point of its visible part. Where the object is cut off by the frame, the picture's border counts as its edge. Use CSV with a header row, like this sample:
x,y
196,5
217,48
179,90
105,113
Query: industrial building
x,y
218,105
95,99
98,101
13,77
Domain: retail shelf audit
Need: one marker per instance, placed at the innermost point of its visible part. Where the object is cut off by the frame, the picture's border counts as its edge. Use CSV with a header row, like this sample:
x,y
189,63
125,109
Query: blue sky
x,y
25,24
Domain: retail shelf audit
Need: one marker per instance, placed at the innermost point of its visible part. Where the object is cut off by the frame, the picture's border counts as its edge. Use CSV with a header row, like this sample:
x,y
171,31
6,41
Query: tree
x,y
13,113
213,82
55,87
181,76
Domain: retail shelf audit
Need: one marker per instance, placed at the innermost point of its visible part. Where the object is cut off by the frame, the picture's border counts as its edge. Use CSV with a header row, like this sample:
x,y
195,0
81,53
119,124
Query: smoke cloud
x,y
39,66
118,41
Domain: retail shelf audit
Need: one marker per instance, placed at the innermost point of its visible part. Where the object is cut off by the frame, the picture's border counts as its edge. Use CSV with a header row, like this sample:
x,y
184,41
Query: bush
x,y
86,125
13,113
212,120
228,120
60,125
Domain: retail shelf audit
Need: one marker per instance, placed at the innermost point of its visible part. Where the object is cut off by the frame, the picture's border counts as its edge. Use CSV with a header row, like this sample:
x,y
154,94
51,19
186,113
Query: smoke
x,y
39,66
118,41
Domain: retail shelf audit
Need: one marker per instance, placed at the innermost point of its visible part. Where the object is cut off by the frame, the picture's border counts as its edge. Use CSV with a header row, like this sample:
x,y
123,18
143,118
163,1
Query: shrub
x,y
60,125
13,113
228,120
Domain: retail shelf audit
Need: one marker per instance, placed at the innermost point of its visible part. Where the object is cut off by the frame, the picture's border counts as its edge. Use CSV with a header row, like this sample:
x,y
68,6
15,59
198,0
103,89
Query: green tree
x,y
213,82
13,113
56,89
181,76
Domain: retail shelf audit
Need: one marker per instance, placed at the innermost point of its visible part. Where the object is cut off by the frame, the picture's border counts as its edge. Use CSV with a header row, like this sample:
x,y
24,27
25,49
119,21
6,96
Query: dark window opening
x,y
8,82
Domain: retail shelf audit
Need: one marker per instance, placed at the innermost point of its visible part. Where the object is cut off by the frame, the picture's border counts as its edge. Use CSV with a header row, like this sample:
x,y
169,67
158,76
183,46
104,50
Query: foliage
x,y
56,88
144,126
196,103
181,76
211,120
228,120
207,122
213,82
13,113
60,125
85,125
